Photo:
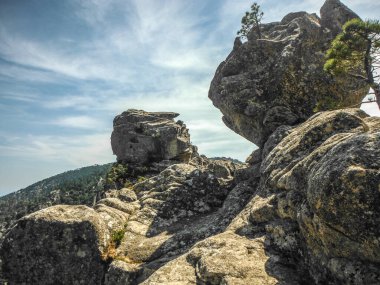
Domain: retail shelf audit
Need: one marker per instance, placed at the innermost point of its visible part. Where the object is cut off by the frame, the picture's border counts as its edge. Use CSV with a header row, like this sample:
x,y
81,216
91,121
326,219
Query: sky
x,y
67,68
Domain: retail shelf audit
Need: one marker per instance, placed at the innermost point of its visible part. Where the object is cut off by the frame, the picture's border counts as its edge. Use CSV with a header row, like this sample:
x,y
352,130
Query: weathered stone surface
x,y
121,273
254,157
334,15
229,258
306,212
326,176
144,137
279,79
171,202
57,245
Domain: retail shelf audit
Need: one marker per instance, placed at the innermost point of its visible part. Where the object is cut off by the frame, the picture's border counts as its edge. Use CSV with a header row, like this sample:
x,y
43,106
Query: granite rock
x,y
56,245
279,79
145,137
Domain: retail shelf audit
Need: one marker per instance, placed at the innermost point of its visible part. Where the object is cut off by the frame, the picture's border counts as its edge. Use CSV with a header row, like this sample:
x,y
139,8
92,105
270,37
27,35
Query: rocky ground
x,y
304,209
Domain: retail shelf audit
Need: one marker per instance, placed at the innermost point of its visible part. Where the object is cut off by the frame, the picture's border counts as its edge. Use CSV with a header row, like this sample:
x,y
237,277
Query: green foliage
x,y
75,187
116,177
141,179
349,49
356,52
251,20
123,176
117,236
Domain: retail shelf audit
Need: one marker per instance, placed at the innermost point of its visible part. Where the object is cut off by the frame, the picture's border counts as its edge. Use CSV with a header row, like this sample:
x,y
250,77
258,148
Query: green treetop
x,y
251,20
356,49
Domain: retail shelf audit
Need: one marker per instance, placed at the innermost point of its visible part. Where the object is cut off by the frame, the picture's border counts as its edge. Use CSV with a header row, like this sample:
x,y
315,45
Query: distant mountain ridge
x,y
79,186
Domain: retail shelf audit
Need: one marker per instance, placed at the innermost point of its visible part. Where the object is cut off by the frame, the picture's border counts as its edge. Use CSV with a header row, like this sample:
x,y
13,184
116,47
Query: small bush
x,y
117,236
141,179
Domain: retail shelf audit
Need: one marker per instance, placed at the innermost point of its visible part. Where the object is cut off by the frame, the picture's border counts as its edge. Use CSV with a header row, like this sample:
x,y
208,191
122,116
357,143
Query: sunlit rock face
x,y
304,211
279,79
58,245
143,137
327,175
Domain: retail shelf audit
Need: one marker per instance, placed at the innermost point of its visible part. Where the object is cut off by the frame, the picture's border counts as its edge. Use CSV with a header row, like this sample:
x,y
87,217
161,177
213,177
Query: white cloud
x,y
80,122
76,151
93,11
77,102
21,73
23,97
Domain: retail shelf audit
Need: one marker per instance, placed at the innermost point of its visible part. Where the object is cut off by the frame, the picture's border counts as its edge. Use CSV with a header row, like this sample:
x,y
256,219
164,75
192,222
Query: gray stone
x,y
57,245
326,173
145,137
334,15
306,214
279,79
254,157
121,273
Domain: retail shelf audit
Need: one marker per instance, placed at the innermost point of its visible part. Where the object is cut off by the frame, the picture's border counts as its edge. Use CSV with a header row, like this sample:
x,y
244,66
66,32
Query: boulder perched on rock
x,y
279,79
143,137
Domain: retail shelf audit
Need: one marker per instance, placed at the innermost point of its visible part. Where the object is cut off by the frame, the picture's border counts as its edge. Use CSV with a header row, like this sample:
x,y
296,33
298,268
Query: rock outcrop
x,y
325,176
304,209
279,79
145,137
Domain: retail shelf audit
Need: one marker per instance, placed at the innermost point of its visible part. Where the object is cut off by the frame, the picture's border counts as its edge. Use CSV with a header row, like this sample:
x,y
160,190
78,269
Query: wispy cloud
x,y
76,151
23,97
74,102
80,122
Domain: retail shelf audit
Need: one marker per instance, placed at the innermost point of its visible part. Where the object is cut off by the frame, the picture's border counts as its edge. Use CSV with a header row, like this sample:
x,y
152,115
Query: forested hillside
x,y
80,186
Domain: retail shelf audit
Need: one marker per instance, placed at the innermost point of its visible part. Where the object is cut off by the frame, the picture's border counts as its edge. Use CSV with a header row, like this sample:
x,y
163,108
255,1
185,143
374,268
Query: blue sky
x,y
68,67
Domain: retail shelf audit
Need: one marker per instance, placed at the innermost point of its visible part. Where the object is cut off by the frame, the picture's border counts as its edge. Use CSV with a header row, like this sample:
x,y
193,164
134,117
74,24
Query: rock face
x,y
143,137
334,14
57,245
279,79
304,211
326,175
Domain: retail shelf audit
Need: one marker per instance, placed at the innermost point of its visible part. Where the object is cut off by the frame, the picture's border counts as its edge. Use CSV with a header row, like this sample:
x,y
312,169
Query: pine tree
x,y
251,20
356,49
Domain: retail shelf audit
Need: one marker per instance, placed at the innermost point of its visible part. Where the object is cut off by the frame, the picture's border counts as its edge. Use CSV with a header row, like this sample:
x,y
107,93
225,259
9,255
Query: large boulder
x,y
57,245
144,137
325,177
279,79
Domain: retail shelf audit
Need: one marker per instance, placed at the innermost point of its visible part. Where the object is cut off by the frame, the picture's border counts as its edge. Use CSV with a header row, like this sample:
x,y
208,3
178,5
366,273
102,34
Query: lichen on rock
x,y
57,245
